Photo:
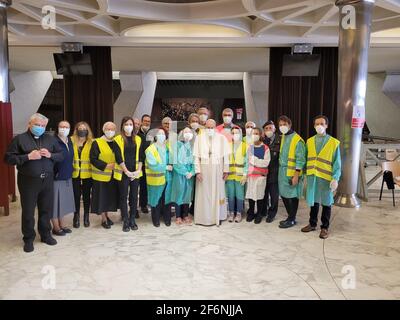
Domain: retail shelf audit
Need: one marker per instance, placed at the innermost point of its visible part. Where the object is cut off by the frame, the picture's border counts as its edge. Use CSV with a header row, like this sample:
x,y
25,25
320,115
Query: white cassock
x,y
211,158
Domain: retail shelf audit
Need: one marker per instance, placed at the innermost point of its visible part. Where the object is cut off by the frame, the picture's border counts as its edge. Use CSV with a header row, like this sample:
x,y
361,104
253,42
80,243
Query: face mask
x,y
203,117
210,132
227,119
160,138
284,129
64,132
256,137
82,133
145,128
128,129
249,131
109,134
320,129
269,134
188,136
37,130
237,137
194,125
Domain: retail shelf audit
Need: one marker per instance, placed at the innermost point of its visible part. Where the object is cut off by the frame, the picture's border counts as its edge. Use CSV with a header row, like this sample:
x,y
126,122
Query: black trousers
x,y
252,205
182,211
291,205
82,188
36,192
143,190
127,187
271,199
191,209
325,217
161,210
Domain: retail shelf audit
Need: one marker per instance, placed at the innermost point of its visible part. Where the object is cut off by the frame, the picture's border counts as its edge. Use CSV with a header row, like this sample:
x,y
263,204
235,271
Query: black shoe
x,y
66,230
269,219
59,232
28,247
144,209
168,224
49,241
86,221
134,226
156,225
258,219
110,222
76,223
283,222
287,224
250,217
105,225
126,227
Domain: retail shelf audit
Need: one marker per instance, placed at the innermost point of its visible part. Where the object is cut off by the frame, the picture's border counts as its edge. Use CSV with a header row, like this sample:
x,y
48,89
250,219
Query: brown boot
x,y
308,228
324,234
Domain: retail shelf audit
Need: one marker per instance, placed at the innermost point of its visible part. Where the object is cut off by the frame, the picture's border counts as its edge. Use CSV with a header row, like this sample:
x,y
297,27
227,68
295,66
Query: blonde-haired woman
x,y
105,188
82,139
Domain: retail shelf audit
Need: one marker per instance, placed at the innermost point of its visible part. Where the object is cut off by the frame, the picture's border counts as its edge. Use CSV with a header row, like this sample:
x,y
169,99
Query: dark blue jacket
x,y
63,170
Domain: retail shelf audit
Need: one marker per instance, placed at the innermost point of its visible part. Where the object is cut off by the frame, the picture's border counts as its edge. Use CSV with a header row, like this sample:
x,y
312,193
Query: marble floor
x,y
360,260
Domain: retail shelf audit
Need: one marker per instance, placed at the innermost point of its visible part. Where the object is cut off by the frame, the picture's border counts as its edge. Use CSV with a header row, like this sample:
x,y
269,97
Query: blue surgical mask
x,y
37,130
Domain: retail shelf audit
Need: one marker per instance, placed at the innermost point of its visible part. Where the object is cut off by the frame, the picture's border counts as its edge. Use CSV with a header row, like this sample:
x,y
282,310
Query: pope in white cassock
x,y
211,159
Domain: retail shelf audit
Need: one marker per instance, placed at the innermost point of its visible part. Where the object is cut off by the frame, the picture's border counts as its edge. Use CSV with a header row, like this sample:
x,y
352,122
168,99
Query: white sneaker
x,y
231,216
238,217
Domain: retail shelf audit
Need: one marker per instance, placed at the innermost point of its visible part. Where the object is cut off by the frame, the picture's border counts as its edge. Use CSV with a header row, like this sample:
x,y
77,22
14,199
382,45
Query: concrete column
x,y
355,17
256,97
4,87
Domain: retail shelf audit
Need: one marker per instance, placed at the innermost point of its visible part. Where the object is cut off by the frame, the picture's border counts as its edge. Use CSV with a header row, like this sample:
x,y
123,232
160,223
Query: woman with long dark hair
x,y
129,159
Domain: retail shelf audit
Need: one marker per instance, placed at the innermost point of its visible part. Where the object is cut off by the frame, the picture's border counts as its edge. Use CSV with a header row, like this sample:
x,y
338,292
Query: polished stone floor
x,y
360,259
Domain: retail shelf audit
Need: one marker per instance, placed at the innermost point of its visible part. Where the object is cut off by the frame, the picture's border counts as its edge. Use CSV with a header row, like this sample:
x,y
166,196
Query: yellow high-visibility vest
x,y
82,166
154,178
320,165
121,144
106,155
291,168
236,162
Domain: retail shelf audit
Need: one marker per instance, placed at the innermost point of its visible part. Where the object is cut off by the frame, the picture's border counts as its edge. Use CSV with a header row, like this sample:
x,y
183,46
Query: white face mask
x,y
128,129
237,137
269,134
203,117
210,132
320,129
109,134
160,138
227,119
249,131
145,128
188,136
194,125
284,129
255,137
64,132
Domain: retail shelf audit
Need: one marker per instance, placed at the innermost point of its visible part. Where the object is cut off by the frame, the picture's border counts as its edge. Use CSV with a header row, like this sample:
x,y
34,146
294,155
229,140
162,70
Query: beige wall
x,y
382,115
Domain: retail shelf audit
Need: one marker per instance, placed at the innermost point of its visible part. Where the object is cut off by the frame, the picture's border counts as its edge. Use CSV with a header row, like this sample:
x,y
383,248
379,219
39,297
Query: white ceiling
x,y
191,35
213,23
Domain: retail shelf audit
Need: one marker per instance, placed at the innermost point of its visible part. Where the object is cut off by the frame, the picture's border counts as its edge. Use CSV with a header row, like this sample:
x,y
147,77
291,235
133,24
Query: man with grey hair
x,y
227,125
211,154
34,152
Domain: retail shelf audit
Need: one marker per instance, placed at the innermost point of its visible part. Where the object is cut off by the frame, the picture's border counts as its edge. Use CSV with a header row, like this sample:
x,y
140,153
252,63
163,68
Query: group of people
x,y
205,170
